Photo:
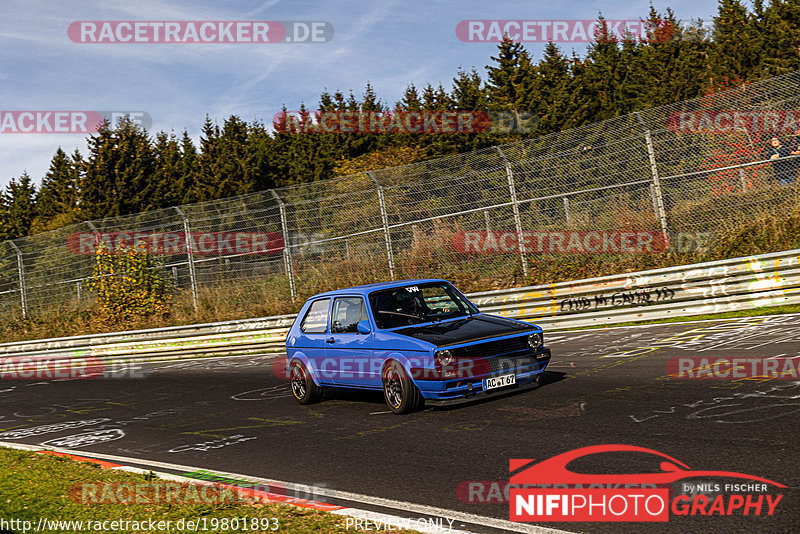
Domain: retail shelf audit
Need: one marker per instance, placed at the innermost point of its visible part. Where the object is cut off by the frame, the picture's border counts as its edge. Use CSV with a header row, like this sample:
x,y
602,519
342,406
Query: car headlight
x,y
444,358
535,341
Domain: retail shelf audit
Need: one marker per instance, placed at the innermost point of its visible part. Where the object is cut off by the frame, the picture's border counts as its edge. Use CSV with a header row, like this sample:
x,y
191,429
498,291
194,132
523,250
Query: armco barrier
x,y
702,288
712,287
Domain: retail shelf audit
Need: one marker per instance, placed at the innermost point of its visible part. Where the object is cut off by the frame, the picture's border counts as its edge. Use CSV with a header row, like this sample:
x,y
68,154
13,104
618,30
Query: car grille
x,y
508,365
492,348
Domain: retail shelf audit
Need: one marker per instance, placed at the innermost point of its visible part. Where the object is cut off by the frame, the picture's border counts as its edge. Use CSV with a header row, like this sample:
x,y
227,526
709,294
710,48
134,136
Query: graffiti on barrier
x,y
636,297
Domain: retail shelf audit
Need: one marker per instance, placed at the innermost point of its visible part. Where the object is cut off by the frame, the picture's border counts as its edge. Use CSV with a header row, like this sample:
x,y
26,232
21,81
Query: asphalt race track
x,y
603,386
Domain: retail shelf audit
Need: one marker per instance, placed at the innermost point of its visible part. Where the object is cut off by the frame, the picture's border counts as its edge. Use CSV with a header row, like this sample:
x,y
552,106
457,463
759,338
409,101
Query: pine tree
x,y
119,171
581,100
468,92
734,55
547,91
169,188
262,147
279,158
411,100
18,210
779,38
59,190
57,199
99,188
505,79
207,178
5,229
188,169
604,73
668,65
235,162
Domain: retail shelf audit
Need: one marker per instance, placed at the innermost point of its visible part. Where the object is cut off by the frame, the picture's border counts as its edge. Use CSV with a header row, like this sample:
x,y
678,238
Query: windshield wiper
x,y
420,317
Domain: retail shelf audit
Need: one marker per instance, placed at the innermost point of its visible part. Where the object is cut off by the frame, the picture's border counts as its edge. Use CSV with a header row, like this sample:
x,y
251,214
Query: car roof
x,y
369,288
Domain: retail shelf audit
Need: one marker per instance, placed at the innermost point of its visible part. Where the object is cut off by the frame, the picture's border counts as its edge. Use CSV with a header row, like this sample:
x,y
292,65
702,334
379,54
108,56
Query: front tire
x,y
304,390
399,391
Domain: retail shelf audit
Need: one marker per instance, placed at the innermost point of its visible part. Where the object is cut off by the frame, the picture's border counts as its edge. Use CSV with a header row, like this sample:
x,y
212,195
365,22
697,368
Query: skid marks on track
x,y
763,404
269,393
257,422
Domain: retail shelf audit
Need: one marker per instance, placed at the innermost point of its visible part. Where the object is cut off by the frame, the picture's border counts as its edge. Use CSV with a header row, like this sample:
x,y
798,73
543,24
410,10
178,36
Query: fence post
x,y
287,244
21,272
386,235
658,196
96,233
566,210
189,254
743,178
488,220
653,198
515,208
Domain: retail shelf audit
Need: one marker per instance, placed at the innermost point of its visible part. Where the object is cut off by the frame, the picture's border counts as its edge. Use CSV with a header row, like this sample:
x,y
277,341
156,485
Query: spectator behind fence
x,y
794,150
784,170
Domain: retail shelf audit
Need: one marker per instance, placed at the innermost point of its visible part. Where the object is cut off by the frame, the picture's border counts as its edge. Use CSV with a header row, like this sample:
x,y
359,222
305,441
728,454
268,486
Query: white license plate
x,y
499,381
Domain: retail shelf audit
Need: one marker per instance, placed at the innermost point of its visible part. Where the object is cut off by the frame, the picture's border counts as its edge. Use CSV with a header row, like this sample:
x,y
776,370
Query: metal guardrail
x,y
712,287
703,288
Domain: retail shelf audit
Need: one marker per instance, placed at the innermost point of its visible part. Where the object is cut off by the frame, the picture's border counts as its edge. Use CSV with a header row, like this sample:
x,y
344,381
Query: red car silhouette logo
x,y
554,470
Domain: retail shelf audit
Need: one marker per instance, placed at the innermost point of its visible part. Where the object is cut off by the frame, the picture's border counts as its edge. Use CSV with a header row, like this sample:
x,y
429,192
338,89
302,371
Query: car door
x,y
348,351
313,333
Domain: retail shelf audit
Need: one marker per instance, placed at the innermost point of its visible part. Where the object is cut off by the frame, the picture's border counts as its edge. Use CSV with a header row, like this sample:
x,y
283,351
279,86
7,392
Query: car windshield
x,y
418,303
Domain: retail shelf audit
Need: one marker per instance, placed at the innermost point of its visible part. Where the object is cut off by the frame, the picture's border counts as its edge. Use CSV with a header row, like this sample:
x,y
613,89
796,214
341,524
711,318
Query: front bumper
x,y
476,395
527,370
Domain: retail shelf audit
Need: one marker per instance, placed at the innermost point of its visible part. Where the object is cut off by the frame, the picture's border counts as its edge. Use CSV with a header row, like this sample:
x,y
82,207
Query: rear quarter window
x,y
316,318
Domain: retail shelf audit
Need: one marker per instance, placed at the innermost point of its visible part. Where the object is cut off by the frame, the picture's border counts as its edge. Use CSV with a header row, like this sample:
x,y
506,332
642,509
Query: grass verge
x,y
35,486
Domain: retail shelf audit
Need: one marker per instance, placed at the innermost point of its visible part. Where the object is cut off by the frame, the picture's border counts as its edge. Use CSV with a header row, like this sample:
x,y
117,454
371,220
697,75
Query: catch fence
x,y
666,179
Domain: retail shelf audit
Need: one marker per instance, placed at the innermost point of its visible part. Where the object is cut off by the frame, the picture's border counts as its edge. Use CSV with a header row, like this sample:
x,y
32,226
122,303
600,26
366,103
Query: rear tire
x,y
304,390
399,391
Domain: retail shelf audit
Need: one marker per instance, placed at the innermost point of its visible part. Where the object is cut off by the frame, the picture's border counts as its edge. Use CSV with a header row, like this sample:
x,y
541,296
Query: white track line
x,y
422,510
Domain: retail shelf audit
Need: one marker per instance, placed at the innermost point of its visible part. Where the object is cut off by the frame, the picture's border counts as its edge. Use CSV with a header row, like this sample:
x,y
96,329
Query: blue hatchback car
x,y
420,341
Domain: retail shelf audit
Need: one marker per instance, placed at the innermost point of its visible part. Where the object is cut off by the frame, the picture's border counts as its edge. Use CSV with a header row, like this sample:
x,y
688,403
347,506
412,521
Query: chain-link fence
x,y
690,169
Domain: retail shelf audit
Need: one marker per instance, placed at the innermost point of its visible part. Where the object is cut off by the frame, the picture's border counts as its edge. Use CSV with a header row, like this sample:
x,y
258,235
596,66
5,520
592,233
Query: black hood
x,y
466,330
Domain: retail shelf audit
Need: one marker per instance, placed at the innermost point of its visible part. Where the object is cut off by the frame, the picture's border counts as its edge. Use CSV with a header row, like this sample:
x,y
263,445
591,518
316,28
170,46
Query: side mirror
x,y
363,327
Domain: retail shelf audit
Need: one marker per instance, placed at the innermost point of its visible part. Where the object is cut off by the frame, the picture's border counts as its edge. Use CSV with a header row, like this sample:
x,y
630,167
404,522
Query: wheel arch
x,y
408,362
312,371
